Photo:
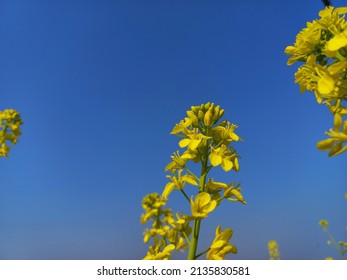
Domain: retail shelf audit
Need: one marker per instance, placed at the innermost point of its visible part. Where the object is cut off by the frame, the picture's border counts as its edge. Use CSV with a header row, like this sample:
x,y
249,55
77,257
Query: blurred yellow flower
x,y
10,123
273,250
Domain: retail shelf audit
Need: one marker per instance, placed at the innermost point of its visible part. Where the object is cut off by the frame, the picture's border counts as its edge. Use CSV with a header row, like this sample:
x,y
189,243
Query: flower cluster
x,y
10,123
166,228
273,250
206,140
322,47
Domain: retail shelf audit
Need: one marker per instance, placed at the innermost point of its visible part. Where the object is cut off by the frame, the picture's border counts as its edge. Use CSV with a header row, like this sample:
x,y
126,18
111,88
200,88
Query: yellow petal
x,y
326,84
335,150
210,207
168,189
226,164
218,244
202,198
184,143
337,121
341,10
189,179
215,159
326,144
337,67
194,143
336,43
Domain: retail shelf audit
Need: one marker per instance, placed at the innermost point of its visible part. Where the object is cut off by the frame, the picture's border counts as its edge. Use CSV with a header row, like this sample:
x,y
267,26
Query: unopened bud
x,y
193,118
195,109
208,118
221,113
223,123
216,113
207,105
201,115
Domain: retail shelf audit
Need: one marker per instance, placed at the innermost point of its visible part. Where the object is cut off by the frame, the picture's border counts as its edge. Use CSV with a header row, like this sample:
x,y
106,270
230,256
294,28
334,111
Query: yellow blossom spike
x,y
273,250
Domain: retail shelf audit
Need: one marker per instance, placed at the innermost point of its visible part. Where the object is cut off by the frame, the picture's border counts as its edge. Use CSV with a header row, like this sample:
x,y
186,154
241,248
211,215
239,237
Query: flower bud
x,y
207,105
201,115
208,119
337,121
216,113
221,113
193,118
195,109
223,123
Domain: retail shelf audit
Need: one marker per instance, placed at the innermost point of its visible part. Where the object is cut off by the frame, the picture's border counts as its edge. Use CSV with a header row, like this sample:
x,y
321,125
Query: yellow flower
x,y
182,126
164,231
214,187
273,250
314,36
202,205
194,141
331,19
305,44
233,194
334,44
178,182
307,76
10,123
4,150
178,161
179,227
323,223
153,205
153,201
220,245
224,157
225,133
155,252
337,143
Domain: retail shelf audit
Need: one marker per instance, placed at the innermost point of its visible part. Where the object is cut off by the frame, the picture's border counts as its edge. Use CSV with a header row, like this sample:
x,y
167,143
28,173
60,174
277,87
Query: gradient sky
x,y
100,84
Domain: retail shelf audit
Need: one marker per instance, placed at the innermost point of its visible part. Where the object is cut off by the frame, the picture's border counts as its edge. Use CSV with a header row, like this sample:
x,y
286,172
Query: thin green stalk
x,y
185,195
197,222
191,173
332,239
203,252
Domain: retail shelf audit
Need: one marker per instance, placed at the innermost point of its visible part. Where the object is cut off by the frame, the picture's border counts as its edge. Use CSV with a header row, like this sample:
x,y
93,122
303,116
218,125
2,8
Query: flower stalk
x,y
205,140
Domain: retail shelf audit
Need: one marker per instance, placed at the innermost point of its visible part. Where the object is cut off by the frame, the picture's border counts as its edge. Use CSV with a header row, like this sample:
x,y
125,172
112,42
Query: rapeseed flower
x,y
178,182
202,205
225,157
155,252
220,245
10,123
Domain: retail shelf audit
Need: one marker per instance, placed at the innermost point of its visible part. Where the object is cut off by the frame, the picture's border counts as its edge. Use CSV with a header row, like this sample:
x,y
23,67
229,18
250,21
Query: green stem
x,y
185,195
197,222
191,173
203,252
332,239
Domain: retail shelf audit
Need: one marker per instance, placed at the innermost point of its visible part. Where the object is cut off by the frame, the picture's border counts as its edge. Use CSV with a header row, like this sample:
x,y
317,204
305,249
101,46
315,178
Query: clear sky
x,y
100,84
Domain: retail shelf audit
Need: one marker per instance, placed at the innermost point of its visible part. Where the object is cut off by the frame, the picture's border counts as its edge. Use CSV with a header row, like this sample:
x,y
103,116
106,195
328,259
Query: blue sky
x,y
100,84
